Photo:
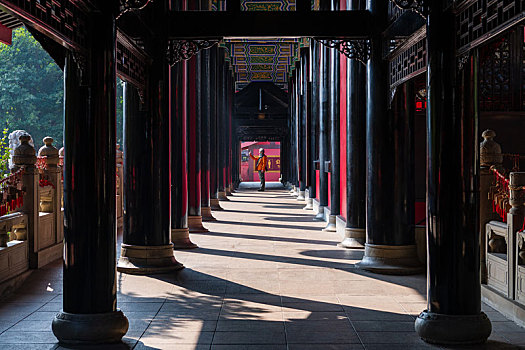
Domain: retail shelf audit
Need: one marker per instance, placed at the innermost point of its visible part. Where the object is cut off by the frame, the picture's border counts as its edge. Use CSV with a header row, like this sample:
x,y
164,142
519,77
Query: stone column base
x,y
354,238
453,329
214,204
180,237
331,226
309,204
320,214
85,329
300,197
391,260
222,196
206,214
195,224
145,260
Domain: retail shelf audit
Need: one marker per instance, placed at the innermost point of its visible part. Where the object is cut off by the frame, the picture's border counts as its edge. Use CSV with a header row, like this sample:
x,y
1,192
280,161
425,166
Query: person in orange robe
x,y
261,166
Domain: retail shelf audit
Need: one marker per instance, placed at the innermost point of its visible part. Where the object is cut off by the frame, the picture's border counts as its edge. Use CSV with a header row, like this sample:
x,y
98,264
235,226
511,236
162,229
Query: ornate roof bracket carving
x,y
463,60
352,49
421,7
132,5
182,50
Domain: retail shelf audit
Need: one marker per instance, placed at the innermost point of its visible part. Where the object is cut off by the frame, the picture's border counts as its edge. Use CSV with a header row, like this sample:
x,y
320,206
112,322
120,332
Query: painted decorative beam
x,y
254,24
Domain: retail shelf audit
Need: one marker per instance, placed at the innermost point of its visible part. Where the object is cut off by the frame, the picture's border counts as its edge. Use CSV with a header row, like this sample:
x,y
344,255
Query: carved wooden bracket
x,y
419,6
352,49
182,50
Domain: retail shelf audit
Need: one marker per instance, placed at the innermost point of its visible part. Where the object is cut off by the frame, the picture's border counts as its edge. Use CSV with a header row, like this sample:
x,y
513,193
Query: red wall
x,y
317,184
272,151
342,138
329,189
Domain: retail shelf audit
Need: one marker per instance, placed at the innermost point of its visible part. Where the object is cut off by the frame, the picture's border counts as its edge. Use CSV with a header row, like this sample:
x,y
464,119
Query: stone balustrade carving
x,y
490,151
490,155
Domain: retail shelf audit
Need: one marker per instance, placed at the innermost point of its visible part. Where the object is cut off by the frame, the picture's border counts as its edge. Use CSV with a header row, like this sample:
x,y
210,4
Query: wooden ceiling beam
x,y
283,24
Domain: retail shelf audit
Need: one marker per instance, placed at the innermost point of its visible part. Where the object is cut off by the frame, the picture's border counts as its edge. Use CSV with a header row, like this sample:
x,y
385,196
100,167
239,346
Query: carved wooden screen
x,y
502,73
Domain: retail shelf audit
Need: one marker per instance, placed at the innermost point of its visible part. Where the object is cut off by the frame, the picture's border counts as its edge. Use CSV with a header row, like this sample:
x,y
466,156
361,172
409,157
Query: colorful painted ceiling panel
x,y
262,60
268,5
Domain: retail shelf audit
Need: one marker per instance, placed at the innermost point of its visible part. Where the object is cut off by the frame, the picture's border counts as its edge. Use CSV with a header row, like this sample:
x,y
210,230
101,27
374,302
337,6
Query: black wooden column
x,y
222,120
179,159
314,120
230,132
292,160
229,153
324,127
355,149
453,278
301,72
194,144
146,246
334,137
390,242
205,136
89,312
214,146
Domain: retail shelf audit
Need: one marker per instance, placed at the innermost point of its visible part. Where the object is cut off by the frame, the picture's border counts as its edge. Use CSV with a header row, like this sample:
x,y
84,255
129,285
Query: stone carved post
x,y
490,155
52,203
515,218
24,157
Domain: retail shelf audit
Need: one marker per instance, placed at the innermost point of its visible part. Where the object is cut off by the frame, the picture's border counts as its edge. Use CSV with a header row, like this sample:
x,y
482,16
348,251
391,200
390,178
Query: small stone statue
x,y
490,150
14,142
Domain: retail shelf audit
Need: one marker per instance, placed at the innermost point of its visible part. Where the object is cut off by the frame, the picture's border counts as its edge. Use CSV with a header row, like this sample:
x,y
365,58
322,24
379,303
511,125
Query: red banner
x,y
6,34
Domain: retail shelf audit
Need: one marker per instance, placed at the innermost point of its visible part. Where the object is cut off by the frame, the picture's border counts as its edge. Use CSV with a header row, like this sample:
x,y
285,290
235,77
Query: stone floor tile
x,y
312,306
196,314
313,337
32,326
249,347
316,315
389,338
383,326
54,306
139,307
41,316
418,346
363,314
169,346
506,326
176,337
18,337
495,316
160,326
31,346
262,316
342,325
262,298
227,325
326,347
306,298
242,338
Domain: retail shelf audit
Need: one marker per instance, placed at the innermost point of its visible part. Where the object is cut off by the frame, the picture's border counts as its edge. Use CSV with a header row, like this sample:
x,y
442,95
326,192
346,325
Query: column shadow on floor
x,y
269,238
244,223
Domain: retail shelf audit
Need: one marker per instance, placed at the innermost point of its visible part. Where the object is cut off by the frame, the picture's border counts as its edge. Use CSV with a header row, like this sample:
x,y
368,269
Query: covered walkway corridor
x,y
264,277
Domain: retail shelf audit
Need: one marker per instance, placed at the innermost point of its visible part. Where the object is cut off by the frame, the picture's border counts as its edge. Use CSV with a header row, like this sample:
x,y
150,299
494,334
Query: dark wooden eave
x,y
251,24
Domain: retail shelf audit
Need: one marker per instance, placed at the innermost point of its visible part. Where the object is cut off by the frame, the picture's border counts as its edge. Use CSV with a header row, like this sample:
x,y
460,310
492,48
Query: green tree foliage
x,y
31,90
4,153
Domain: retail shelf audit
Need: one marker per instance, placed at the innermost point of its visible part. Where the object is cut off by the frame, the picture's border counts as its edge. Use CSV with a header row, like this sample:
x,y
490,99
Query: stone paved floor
x,y
265,277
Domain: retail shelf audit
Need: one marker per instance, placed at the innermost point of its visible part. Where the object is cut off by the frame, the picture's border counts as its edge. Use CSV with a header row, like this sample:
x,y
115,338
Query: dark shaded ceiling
x,y
261,112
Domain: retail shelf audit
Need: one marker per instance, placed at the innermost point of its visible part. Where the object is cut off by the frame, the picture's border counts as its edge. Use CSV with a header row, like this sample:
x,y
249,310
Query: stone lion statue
x,y
14,142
